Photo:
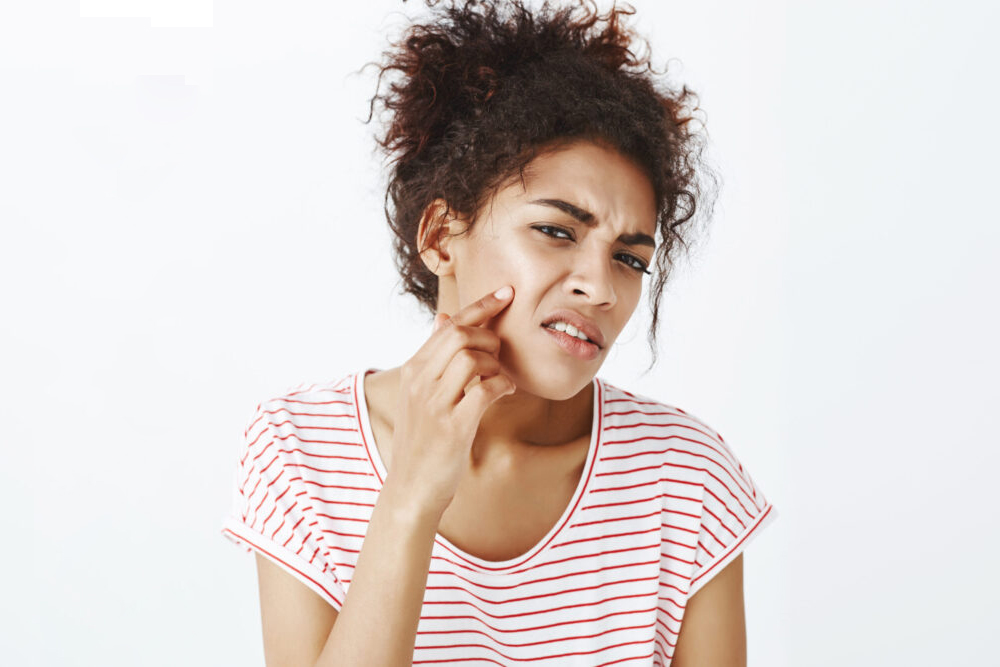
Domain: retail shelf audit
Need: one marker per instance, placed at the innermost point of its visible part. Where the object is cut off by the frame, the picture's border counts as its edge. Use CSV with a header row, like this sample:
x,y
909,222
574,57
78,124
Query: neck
x,y
520,425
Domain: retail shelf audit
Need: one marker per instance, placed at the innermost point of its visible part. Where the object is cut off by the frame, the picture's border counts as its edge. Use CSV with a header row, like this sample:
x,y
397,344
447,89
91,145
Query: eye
x,y
639,265
541,228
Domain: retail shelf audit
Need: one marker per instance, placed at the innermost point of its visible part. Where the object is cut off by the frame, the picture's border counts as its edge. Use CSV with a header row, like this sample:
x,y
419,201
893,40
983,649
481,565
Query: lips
x,y
587,326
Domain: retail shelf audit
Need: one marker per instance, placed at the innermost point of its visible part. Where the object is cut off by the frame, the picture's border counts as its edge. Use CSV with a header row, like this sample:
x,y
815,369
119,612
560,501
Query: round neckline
x,y
375,459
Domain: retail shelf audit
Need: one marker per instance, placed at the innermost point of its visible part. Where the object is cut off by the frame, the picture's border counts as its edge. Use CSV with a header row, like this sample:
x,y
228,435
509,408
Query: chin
x,y
546,371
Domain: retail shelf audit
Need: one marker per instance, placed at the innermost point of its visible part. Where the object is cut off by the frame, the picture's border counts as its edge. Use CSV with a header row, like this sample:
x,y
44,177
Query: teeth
x,y
569,329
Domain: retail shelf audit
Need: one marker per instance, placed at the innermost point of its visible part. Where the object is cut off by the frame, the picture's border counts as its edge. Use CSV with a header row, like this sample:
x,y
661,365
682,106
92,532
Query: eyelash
x,y
643,269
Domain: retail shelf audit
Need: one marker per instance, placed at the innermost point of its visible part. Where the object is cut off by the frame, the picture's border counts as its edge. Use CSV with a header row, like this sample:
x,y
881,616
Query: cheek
x,y
531,266
516,264
628,311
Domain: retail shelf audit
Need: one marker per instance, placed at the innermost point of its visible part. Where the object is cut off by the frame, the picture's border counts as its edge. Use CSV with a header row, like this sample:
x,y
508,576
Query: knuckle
x,y
456,334
413,391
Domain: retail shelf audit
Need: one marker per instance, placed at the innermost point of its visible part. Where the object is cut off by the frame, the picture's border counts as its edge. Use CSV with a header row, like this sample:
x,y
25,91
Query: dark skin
x,y
586,268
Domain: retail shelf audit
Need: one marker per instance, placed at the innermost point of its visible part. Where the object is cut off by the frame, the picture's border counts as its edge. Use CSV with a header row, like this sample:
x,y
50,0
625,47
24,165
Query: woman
x,y
492,500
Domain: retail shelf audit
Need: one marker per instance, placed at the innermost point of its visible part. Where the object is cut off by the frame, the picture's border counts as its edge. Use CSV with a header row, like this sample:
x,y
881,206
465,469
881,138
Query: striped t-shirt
x,y
662,506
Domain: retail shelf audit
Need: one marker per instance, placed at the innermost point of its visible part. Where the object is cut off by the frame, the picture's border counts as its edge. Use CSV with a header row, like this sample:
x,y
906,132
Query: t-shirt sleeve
x,y
272,508
733,511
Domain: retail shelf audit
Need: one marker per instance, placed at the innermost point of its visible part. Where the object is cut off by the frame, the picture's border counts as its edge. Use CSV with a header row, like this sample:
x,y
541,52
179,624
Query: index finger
x,y
481,310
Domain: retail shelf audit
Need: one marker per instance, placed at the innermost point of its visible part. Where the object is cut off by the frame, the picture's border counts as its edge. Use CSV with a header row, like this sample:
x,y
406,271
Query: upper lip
x,y
588,327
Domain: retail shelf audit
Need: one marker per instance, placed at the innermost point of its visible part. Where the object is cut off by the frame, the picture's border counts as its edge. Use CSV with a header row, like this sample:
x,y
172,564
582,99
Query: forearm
x,y
377,624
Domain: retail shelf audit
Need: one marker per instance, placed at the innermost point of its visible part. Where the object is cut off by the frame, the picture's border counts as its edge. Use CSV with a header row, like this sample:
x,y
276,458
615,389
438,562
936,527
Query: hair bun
x,y
479,88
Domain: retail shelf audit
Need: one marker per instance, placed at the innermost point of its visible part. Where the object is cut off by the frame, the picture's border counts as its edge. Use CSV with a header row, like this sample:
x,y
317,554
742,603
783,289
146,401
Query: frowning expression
x,y
575,241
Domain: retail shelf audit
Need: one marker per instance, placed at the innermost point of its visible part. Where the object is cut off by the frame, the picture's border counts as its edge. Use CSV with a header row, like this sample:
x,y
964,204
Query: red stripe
x,y
655,529
533,612
521,629
670,616
339,472
721,543
526,644
532,658
296,450
548,563
676,574
556,593
532,582
633,502
314,442
618,518
725,507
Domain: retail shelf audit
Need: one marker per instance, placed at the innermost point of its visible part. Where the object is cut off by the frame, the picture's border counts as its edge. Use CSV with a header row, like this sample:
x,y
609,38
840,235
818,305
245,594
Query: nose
x,y
593,277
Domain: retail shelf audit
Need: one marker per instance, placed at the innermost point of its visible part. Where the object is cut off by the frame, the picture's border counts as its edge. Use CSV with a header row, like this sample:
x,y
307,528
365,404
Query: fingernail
x,y
504,292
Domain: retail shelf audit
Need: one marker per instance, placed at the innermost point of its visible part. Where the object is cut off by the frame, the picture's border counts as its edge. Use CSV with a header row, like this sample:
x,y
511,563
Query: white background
x,y
192,222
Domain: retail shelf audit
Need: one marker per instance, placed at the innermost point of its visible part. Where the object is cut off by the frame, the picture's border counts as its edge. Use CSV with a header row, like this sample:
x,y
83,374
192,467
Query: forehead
x,y
593,177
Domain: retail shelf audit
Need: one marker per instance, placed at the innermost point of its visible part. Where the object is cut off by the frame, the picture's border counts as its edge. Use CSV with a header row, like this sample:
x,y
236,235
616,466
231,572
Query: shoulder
x,y
692,458
637,417
299,405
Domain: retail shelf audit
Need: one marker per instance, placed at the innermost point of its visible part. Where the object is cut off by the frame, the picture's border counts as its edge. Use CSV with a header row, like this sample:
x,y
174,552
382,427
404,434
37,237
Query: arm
x,y
377,624
295,620
713,629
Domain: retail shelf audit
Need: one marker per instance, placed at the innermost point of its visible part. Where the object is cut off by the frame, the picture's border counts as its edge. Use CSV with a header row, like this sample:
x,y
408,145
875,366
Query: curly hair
x,y
482,92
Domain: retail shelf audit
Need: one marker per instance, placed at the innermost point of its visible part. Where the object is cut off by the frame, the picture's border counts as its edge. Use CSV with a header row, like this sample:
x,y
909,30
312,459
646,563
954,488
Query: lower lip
x,y
578,348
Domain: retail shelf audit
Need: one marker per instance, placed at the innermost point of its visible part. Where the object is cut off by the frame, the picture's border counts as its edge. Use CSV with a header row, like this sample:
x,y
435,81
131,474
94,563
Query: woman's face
x,y
533,239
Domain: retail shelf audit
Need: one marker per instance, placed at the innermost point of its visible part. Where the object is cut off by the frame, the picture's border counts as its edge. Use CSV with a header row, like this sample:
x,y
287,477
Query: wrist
x,y
407,508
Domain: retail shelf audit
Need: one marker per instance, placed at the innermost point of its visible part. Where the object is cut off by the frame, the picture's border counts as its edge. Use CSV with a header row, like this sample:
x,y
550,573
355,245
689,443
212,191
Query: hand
x,y
438,412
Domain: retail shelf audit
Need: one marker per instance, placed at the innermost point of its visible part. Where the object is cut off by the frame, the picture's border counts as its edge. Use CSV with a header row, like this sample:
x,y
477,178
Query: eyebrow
x,y
587,218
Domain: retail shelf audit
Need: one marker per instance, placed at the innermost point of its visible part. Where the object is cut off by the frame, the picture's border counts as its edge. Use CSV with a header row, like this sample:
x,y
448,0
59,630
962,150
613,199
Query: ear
x,y
434,235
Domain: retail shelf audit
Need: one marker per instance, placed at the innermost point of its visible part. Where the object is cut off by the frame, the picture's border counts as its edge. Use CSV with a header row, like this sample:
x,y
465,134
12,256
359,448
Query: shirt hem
x,y
737,547
295,565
